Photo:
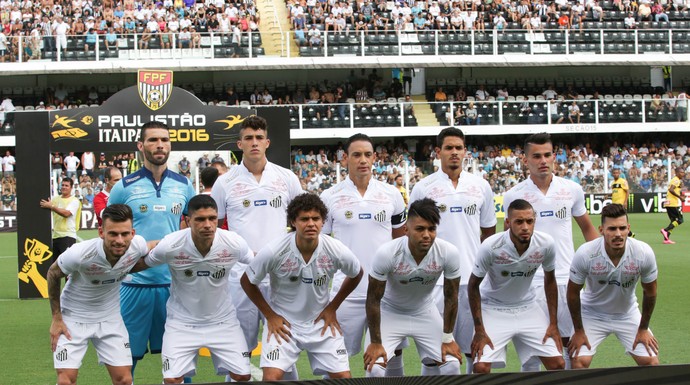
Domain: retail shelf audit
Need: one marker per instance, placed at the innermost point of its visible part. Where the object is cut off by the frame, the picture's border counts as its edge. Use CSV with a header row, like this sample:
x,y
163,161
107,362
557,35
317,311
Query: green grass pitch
x,y
26,355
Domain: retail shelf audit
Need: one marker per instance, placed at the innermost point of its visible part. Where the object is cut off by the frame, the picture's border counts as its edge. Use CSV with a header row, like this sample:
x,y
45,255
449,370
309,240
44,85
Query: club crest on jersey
x,y
380,216
471,210
219,274
176,209
276,202
143,208
348,214
246,203
321,280
155,88
562,213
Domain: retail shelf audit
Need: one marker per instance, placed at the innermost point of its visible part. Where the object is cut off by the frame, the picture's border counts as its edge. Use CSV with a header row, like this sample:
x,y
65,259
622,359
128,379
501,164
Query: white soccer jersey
x,y
92,292
509,281
199,289
555,210
362,223
609,291
464,210
409,286
249,205
299,290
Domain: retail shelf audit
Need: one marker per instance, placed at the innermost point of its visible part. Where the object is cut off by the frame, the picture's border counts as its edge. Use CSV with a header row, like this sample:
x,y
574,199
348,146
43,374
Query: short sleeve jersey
x,y
92,292
465,209
362,223
555,211
409,286
609,291
618,189
300,290
199,293
257,211
674,185
157,209
508,275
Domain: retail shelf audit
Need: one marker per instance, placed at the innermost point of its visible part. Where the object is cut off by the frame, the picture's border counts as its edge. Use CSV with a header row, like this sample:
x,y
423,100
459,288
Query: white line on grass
x,y
7,256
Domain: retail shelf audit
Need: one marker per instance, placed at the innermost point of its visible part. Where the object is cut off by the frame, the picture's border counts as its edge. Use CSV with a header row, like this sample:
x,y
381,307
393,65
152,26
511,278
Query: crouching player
x,y
298,315
400,296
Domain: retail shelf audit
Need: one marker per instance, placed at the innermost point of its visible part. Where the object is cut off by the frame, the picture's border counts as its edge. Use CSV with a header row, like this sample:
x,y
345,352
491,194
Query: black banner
x,y
114,127
637,202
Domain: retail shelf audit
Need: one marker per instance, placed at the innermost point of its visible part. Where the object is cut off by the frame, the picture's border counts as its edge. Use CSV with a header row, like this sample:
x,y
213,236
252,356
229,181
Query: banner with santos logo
x,y
114,127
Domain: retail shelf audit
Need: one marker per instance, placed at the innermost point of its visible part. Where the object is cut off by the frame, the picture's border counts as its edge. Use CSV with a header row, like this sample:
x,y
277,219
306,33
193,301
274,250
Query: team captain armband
x,y
399,218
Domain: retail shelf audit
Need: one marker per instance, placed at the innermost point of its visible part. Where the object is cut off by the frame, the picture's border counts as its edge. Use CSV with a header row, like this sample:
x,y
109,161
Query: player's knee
x,y
554,363
580,362
376,371
482,367
66,378
679,220
345,374
646,361
450,368
173,380
241,377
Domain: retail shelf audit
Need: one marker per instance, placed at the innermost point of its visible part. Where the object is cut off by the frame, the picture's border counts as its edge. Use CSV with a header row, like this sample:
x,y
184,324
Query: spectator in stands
x,y
362,95
574,112
459,117
682,107
550,93
460,94
145,38
597,11
481,94
439,96
90,40
554,111
499,22
110,39
184,167
184,39
59,30
380,24
564,21
670,102
314,37
266,97
471,115
502,93
659,12
644,12
656,105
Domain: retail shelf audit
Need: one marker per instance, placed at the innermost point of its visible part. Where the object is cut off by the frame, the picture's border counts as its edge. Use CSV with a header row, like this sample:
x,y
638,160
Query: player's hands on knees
x,y
372,354
451,348
278,327
646,338
329,321
576,342
553,333
480,340
58,328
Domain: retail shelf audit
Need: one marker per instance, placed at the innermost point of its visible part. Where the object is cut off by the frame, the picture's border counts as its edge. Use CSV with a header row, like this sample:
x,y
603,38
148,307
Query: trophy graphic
x,y
35,252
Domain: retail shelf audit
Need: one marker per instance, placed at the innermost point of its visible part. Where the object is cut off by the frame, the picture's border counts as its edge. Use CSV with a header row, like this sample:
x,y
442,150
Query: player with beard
x,y
158,198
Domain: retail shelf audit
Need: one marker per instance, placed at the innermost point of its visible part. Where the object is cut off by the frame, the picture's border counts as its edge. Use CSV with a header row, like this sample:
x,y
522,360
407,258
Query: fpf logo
x,y
155,87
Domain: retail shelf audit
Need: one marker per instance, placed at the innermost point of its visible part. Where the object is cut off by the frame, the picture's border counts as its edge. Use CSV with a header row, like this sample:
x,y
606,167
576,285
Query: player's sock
x,y
469,369
326,377
395,367
187,380
377,371
431,370
533,364
566,358
450,368
291,374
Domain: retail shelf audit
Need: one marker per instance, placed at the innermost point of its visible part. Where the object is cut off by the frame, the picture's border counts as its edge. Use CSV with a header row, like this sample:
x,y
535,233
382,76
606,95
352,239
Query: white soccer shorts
x,y
110,339
625,330
327,354
464,326
524,325
565,323
352,316
181,344
248,314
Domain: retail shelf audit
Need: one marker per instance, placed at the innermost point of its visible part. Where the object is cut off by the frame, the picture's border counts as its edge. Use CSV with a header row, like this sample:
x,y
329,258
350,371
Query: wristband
x,y
447,337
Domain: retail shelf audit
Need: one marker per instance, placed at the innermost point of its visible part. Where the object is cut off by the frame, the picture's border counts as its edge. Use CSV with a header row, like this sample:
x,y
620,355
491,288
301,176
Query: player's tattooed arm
x,y
450,303
551,293
373,307
480,339
57,326
644,336
579,338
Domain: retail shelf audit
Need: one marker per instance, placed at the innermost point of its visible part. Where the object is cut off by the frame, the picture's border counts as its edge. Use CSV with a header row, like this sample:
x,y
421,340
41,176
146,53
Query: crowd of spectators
x,y
46,25
311,18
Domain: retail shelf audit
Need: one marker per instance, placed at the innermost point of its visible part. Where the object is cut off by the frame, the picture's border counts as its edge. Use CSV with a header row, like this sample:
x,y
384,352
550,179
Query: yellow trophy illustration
x,y
36,252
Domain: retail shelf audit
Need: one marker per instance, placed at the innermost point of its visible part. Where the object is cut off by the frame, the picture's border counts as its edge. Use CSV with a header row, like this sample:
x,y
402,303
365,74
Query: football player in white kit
x,y
89,307
505,306
253,197
401,283
556,202
363,213
200,312
610,267
299,315
468,217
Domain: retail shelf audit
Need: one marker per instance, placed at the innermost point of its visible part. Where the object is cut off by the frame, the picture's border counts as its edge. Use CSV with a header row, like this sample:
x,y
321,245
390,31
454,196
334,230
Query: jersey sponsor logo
x,y
545,214
261,202
614,282
429,282
380,216
321,280
308,281
107,281
341,352
246,354
143,208
176,209
348,214
61,355
456,209
158,207
246,203
471,210
365,216
562,213
188,273
203,273
276,202
273,355
219,274
126,345
525,274
416,279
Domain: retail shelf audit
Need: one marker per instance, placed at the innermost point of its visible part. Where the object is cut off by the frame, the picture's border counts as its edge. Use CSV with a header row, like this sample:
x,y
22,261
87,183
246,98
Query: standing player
x,y
610,267
158,198
556,201
200,311
299,316
112,175
401,283
466,203
505,308
253,197
674,205
620,191
66,211
89,307
363,213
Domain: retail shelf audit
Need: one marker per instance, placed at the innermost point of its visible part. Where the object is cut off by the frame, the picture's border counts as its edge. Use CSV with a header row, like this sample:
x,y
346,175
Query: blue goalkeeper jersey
x,y
157,210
